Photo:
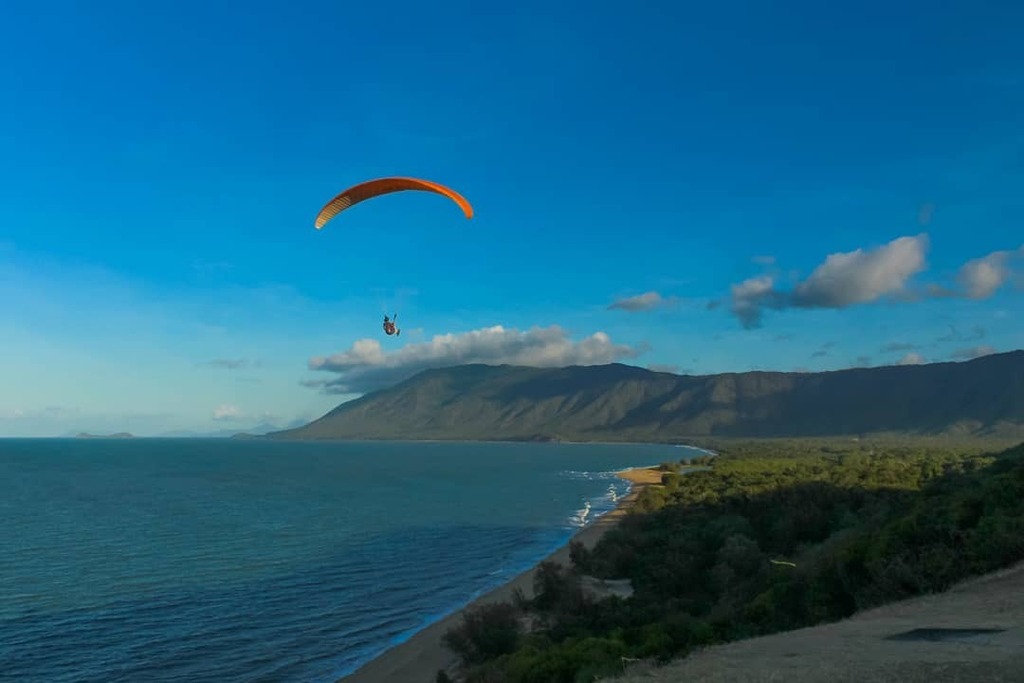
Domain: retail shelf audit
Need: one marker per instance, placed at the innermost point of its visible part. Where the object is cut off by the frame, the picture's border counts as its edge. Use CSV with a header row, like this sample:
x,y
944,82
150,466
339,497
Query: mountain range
x,y
616,402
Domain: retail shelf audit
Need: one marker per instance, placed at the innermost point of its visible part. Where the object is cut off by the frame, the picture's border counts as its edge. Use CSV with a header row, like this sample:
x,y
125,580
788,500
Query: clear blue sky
x,y
160,168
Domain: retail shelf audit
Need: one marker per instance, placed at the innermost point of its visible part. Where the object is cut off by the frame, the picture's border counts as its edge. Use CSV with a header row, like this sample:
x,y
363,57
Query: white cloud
x,y
843,279
911,358
764,260
642,302
365,366
865,276
226,412
753,294
860,276
981,277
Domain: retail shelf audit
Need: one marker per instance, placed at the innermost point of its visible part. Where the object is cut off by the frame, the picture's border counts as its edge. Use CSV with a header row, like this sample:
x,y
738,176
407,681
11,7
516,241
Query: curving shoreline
x,y
418,659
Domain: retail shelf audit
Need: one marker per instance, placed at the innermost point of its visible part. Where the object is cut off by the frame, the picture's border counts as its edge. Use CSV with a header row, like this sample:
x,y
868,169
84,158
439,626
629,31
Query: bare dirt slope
x,y
857,649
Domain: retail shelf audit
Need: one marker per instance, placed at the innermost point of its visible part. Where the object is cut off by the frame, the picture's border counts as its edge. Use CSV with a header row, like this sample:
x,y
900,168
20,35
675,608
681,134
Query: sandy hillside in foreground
x,y
856,649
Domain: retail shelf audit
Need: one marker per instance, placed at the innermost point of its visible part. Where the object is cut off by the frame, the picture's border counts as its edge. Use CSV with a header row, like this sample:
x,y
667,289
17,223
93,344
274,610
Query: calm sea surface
x,y
219,560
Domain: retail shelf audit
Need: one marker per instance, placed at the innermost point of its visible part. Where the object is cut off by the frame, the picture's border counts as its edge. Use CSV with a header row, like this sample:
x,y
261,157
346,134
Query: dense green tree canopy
x,y
767,536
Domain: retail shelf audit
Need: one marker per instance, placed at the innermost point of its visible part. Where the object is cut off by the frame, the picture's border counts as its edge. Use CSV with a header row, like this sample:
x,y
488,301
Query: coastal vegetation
x,y
764,537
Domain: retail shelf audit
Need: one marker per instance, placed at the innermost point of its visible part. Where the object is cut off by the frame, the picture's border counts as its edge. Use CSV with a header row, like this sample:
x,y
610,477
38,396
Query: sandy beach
x,y
418,659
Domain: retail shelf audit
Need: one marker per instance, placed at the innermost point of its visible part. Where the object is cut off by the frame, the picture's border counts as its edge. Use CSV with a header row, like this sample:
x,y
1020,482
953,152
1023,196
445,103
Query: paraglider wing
x,y
381,186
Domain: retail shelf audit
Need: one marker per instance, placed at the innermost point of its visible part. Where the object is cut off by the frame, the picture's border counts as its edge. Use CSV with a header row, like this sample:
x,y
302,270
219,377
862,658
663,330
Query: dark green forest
x,y
764,537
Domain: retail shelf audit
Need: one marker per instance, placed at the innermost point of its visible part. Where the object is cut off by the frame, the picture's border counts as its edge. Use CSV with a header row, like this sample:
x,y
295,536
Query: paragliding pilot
x,y
389,325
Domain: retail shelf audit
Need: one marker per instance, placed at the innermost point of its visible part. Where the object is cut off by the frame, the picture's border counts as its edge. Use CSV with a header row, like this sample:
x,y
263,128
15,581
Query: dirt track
x,y
856,649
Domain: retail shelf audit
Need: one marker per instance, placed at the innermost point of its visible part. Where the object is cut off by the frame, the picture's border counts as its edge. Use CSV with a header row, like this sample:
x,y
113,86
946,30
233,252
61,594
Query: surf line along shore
x,y
418,659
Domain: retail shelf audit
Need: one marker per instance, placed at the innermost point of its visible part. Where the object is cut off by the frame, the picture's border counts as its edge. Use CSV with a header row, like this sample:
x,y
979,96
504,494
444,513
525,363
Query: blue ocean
x,y
222,560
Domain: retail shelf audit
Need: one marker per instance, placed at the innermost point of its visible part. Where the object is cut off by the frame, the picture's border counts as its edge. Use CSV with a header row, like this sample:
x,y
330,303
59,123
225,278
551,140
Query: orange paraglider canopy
x,y
375,188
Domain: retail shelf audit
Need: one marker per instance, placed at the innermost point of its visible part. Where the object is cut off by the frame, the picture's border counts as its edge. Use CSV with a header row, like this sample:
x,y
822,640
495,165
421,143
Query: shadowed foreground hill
x,y
981,397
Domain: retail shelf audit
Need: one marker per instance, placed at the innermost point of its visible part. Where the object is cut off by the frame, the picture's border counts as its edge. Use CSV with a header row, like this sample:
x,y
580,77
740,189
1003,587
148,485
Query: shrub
x,y
486,632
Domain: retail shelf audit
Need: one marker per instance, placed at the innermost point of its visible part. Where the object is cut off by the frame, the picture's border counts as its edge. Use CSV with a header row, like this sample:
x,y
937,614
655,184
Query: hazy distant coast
x,y
622,404
118,435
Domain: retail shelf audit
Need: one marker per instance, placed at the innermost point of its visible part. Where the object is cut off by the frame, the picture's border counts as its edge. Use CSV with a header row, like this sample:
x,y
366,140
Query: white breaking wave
x,y
594,508
580,518
590,476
